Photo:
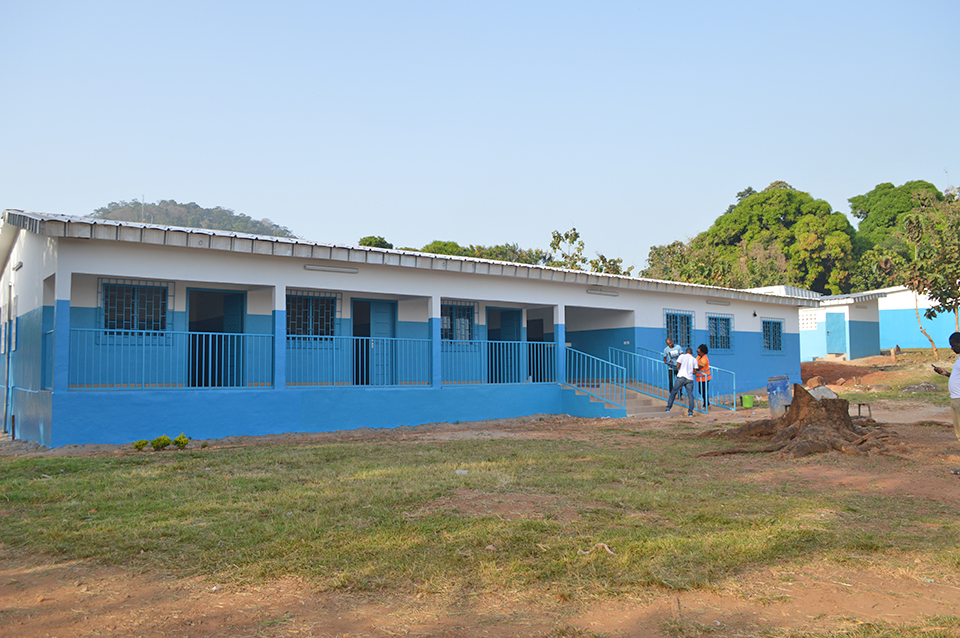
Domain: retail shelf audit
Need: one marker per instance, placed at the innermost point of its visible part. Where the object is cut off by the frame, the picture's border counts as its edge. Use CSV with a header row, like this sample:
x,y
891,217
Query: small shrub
x,y
181,441
139,445
160,442
203,445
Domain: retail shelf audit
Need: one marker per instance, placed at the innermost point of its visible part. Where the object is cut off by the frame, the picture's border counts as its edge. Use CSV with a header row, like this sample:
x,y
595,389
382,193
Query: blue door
x,y
382,332
510,321
836,333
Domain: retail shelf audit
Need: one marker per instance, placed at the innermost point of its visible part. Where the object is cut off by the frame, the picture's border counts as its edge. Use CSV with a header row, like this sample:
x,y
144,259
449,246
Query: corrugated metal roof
x,y
71,227
854,297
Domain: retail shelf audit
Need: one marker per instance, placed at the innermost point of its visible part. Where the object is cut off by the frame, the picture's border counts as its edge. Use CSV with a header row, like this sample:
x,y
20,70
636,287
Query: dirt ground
x,y
40,596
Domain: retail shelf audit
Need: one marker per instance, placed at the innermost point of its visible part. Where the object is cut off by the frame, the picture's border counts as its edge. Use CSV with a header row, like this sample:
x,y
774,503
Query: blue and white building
x,y
843,326
116,331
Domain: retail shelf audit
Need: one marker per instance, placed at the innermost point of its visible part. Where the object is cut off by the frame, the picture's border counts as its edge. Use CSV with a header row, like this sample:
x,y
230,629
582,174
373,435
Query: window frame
x,y
124,305
689,315
717,346
320,322
453,312
777,335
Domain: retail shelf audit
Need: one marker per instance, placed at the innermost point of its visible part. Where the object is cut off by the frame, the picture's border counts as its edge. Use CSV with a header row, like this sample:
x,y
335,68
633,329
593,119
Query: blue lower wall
x,y
31,415
598,342
863,339
123,417
900,328
813,343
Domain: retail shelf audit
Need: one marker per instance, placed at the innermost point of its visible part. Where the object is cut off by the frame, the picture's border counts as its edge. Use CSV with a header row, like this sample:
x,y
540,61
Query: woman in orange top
x,y
703,374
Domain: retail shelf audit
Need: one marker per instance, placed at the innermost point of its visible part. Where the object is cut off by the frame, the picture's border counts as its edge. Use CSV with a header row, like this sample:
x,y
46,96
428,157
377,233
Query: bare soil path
x,y
40,596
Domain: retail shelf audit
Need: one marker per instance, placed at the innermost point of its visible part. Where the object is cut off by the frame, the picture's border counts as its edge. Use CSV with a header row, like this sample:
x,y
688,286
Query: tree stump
x,y
810,426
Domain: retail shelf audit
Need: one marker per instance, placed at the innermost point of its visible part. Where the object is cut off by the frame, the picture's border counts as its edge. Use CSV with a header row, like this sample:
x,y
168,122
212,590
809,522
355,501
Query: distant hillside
x,y
170,213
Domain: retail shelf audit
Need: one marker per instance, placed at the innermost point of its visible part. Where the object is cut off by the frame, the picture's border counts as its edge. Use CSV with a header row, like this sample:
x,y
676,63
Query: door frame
x,y
213,362
367,359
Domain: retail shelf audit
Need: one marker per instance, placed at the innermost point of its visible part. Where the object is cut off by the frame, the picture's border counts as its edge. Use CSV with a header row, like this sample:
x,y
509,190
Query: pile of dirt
x,y
875,373
812,426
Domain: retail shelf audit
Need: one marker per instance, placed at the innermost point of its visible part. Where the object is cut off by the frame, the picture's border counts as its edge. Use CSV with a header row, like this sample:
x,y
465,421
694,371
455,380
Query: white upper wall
x,y
37,259
901,298
269,267
262,275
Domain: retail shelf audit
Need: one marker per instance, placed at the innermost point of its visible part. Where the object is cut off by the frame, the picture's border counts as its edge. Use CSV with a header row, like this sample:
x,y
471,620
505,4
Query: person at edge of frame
x,y
954,387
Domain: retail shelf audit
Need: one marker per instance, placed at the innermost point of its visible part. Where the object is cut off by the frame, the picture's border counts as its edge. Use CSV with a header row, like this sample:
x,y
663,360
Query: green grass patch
x,y
372,516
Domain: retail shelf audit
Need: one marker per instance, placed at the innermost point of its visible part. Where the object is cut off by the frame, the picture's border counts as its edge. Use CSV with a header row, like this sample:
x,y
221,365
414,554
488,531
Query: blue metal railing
x,y
475,362
596,377
143,359
653,354
370,361
651,376
644,374
722,388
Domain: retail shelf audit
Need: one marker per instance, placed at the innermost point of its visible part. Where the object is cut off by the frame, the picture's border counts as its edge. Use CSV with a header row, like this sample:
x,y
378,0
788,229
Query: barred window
x,y
679,326
311,315
134,307
456,322
721,328
772,335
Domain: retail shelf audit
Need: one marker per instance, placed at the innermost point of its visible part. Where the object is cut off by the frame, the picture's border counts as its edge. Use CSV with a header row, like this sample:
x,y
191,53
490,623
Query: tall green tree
x,y
777,236
932,228
881,210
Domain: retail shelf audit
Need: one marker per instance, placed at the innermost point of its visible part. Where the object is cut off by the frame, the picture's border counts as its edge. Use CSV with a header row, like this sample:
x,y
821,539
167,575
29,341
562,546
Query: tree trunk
x,y
916,304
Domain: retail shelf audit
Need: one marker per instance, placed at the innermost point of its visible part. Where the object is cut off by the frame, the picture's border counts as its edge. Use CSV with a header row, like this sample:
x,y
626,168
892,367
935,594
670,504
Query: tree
x,y
570,247
569,244
511,252
571,250
440,247
878,267
881,210
375,241
667,262
168,212
777,236
932,228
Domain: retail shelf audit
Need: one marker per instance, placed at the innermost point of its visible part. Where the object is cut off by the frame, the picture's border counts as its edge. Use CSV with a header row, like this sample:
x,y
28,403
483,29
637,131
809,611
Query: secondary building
x,y
116,331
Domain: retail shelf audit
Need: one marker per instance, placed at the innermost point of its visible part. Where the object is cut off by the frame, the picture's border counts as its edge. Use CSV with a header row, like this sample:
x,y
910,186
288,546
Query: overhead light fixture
x,y
718,302
344,269
605,293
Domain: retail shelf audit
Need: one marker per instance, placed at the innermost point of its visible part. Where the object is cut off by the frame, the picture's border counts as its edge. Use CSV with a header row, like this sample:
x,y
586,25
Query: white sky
x,y
476,122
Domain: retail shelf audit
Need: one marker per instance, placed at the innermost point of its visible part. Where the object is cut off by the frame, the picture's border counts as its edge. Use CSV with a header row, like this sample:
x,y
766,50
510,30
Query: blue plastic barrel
x,y
779,394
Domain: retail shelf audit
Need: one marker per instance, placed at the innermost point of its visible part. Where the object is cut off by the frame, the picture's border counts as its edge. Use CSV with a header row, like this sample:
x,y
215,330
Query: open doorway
x,y
506,356
215,323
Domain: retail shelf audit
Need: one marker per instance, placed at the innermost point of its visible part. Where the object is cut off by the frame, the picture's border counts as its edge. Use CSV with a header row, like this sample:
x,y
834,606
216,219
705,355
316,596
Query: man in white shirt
x,y
686,365
954,385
